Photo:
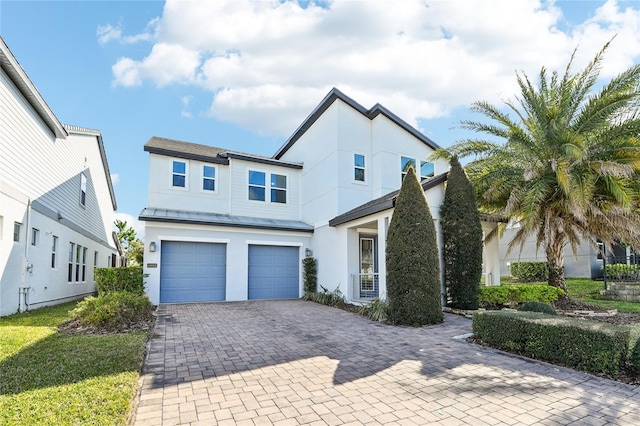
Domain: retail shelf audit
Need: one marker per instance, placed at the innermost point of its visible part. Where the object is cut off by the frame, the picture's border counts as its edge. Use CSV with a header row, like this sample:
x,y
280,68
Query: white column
x,y
383,224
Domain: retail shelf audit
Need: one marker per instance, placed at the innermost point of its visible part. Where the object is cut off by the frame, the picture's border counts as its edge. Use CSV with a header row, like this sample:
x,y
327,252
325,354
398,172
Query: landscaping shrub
x,y
326,297
512,295
413,264
622,271
462,240
634,349
111,280
530,271
583,345
309,275
378,310
113,310
544,308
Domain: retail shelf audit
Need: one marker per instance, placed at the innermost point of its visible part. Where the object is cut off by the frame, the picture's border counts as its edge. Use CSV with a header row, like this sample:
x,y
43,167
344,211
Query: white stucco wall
x,y
237,241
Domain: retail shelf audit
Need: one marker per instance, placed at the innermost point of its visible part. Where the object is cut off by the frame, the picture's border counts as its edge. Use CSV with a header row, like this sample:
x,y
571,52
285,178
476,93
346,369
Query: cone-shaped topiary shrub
x,y
462,240
413,272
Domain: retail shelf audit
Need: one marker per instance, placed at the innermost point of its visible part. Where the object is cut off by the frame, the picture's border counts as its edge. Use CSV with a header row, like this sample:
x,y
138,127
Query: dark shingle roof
x,y
383,203
372,113
211,154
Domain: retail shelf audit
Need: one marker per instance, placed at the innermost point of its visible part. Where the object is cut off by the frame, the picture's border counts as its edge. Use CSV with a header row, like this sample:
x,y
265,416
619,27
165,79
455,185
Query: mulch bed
x,y
145,325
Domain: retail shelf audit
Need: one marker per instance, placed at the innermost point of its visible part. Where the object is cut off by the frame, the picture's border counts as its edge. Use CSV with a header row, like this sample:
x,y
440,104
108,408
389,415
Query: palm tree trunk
x,y
555,261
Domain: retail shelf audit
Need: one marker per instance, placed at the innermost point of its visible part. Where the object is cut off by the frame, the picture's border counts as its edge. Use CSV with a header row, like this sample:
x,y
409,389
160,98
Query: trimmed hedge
x,y
113,310
583,345
513,295
530,271
622,271
310,275
111,280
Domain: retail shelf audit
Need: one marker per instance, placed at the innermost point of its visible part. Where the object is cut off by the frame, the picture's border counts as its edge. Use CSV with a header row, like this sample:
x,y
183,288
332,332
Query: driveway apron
x,y
293,362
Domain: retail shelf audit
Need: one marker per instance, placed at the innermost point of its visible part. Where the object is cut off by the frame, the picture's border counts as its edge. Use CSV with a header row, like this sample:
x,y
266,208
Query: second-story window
x,y
83,189
208,178
179,178
358,168
257,185
405,164
35,234
278,188
426,168
17,229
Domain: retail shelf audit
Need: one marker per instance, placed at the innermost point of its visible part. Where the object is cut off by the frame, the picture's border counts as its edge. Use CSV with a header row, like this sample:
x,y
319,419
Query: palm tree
x,y
567,166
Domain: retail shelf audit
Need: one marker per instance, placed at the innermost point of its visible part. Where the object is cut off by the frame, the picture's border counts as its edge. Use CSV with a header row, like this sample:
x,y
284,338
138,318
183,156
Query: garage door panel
x,y
192,272
274,272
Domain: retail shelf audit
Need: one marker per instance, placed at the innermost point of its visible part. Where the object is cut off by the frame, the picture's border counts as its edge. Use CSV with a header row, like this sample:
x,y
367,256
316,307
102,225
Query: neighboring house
x,y
586,263
225,225
56,199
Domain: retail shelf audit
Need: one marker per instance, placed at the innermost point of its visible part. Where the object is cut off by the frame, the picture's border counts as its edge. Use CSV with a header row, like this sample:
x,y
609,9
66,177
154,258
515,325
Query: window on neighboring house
x,y
78,253
95,259
358,168
34,236
278,188
84,264
54,252
179,178
1,226
72,249
208,178
426,170
405,164
257,185
83,189
17,229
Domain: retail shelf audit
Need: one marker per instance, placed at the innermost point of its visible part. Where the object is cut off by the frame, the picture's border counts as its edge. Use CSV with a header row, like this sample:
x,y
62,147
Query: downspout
x,y
27,266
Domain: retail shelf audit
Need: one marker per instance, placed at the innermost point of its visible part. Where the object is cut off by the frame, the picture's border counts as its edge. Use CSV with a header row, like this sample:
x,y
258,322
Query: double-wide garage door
x,y
192,272
274,272
196,272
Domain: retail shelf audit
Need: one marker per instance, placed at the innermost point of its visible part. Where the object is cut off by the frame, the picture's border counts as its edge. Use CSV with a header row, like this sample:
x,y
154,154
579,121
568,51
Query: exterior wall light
x,y
308,252
152,246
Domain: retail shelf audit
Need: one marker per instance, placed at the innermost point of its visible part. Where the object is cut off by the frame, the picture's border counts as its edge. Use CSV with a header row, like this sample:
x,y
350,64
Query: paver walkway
x,y
296,362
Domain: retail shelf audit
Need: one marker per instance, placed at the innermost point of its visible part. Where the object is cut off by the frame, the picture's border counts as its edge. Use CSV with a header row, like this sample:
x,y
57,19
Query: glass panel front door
x,y
367,263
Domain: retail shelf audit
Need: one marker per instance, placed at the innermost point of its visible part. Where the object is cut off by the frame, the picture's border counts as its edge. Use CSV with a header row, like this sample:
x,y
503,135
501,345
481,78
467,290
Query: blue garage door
x,y
192,272
274,272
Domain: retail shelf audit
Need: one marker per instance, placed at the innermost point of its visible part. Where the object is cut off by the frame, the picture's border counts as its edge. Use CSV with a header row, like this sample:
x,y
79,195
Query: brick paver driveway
x,y
296,362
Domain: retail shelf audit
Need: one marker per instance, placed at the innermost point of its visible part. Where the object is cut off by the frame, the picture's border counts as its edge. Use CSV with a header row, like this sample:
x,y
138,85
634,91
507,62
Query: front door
x,y
368,287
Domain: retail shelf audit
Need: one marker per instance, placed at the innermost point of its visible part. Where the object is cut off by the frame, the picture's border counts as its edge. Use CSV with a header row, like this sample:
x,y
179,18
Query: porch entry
x,y
366,282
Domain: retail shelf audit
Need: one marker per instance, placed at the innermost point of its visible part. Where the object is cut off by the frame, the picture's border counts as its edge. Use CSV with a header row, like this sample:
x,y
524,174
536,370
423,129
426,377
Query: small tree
x,y
413,272
462,240
133,247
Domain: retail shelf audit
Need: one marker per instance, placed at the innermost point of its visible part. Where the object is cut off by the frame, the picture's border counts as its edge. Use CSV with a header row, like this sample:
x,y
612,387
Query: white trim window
x,y
278,188
83,190
426,168
209,178
17,230
179,174
359,168
35,236
54,252
84,264
72,249
257,185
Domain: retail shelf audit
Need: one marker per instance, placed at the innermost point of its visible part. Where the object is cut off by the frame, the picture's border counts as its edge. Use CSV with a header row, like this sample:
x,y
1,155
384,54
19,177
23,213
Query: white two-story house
x,y
226,225
56,199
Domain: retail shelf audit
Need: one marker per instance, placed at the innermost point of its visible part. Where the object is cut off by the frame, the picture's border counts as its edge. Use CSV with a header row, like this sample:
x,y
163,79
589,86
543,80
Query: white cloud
x,y
115,178
267,64
106,33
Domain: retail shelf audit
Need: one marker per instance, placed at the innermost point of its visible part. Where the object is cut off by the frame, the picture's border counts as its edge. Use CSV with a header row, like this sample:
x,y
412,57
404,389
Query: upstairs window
x,y
208,178
83,190
405,164
179,177
17,228
278,189
358,168
257,185
35,234
426,170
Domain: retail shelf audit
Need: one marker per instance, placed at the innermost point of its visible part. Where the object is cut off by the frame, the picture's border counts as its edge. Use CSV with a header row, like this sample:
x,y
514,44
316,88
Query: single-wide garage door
x,y
192,272
274,272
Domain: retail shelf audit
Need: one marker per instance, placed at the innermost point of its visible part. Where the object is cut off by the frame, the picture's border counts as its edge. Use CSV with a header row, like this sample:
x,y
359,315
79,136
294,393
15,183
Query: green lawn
x,y
47,378
587,290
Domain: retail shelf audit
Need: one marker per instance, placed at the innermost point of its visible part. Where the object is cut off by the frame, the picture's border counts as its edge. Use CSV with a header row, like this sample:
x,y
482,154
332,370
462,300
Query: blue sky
x,y
243,75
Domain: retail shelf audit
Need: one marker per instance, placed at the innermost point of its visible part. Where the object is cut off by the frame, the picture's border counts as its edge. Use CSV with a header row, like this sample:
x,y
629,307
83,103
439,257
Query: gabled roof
x,y
20,79
383,203
103,156
151,214
210,154
372,113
